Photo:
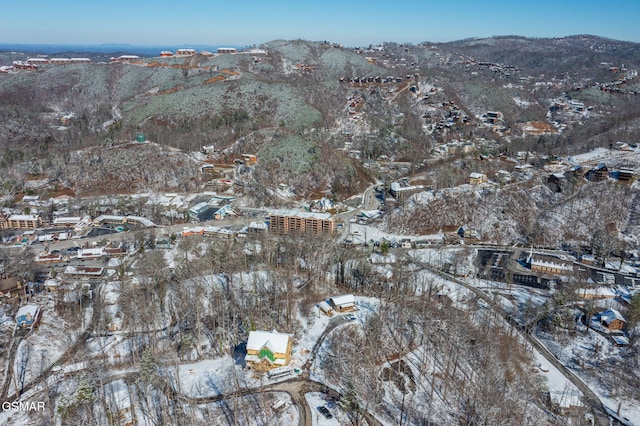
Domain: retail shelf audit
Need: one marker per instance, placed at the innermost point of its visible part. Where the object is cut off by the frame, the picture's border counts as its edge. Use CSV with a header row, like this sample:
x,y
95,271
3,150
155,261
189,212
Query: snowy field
x,y
361,233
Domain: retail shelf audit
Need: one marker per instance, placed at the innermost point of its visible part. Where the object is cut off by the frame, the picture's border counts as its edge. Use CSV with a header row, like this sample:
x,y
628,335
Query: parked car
x,y
325,412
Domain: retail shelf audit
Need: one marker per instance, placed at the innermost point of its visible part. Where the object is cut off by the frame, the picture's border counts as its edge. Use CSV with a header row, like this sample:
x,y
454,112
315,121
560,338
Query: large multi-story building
x,y
20,221
295,222
402,190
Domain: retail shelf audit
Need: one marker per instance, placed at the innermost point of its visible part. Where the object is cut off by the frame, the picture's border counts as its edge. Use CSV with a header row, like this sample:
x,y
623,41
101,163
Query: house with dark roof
x,y
598,173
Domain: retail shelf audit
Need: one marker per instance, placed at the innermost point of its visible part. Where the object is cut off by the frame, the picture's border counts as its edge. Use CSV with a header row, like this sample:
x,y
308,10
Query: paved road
x,y
369,202
333,323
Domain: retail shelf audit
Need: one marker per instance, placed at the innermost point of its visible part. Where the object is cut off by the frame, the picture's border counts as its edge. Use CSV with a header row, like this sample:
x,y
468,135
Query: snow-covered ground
x,y
556,383
315,400
593,155
210,377
360,234
588,349
461,258
44,345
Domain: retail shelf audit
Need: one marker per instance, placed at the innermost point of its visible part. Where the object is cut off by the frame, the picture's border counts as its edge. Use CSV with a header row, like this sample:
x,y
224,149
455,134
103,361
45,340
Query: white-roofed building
x,y
612,319
21,221
185,52
90,253
59,61
27,316
81,271
46,257
325,308
52,285
125,58
478,178
267,350
343,303
401,190
257,227
67,220
549,264
216,231
37,61
597,293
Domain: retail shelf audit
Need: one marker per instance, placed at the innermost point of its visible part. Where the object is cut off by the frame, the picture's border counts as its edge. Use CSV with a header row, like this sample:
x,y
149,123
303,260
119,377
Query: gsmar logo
x,y
23,406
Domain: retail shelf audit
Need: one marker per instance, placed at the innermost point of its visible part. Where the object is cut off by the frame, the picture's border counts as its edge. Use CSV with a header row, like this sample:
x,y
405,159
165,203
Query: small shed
x,y
620,341
325,308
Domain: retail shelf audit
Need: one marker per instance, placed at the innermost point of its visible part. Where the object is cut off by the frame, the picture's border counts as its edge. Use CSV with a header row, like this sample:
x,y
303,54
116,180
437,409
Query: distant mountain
x,y
111,48
578,53
295,102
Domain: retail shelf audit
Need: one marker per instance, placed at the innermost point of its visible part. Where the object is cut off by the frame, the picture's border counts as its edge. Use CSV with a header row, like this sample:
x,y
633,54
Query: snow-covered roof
x,y
143,220
620,340
396,187
259,225
199,208
276,342
217,230
371,214
477,175
302,215
46,256
66,220
108,217
73,270
344,300
27,310
27,217
90,252
192,230
604,292
324,306
611,315
51,283
549,262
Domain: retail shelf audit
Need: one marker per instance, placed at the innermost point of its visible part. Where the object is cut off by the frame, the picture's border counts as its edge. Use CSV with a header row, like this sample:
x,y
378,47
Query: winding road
x,y
603,416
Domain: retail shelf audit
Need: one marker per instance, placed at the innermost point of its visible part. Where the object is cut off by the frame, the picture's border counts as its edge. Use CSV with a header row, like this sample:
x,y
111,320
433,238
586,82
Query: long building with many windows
x,y
20,221
295,222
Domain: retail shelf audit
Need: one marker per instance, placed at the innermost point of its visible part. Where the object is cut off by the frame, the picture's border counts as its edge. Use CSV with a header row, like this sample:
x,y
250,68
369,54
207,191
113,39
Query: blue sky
x,y
246,22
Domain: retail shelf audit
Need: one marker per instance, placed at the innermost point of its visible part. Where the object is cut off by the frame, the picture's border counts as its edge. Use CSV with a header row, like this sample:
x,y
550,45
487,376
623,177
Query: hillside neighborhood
x,y
390,246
